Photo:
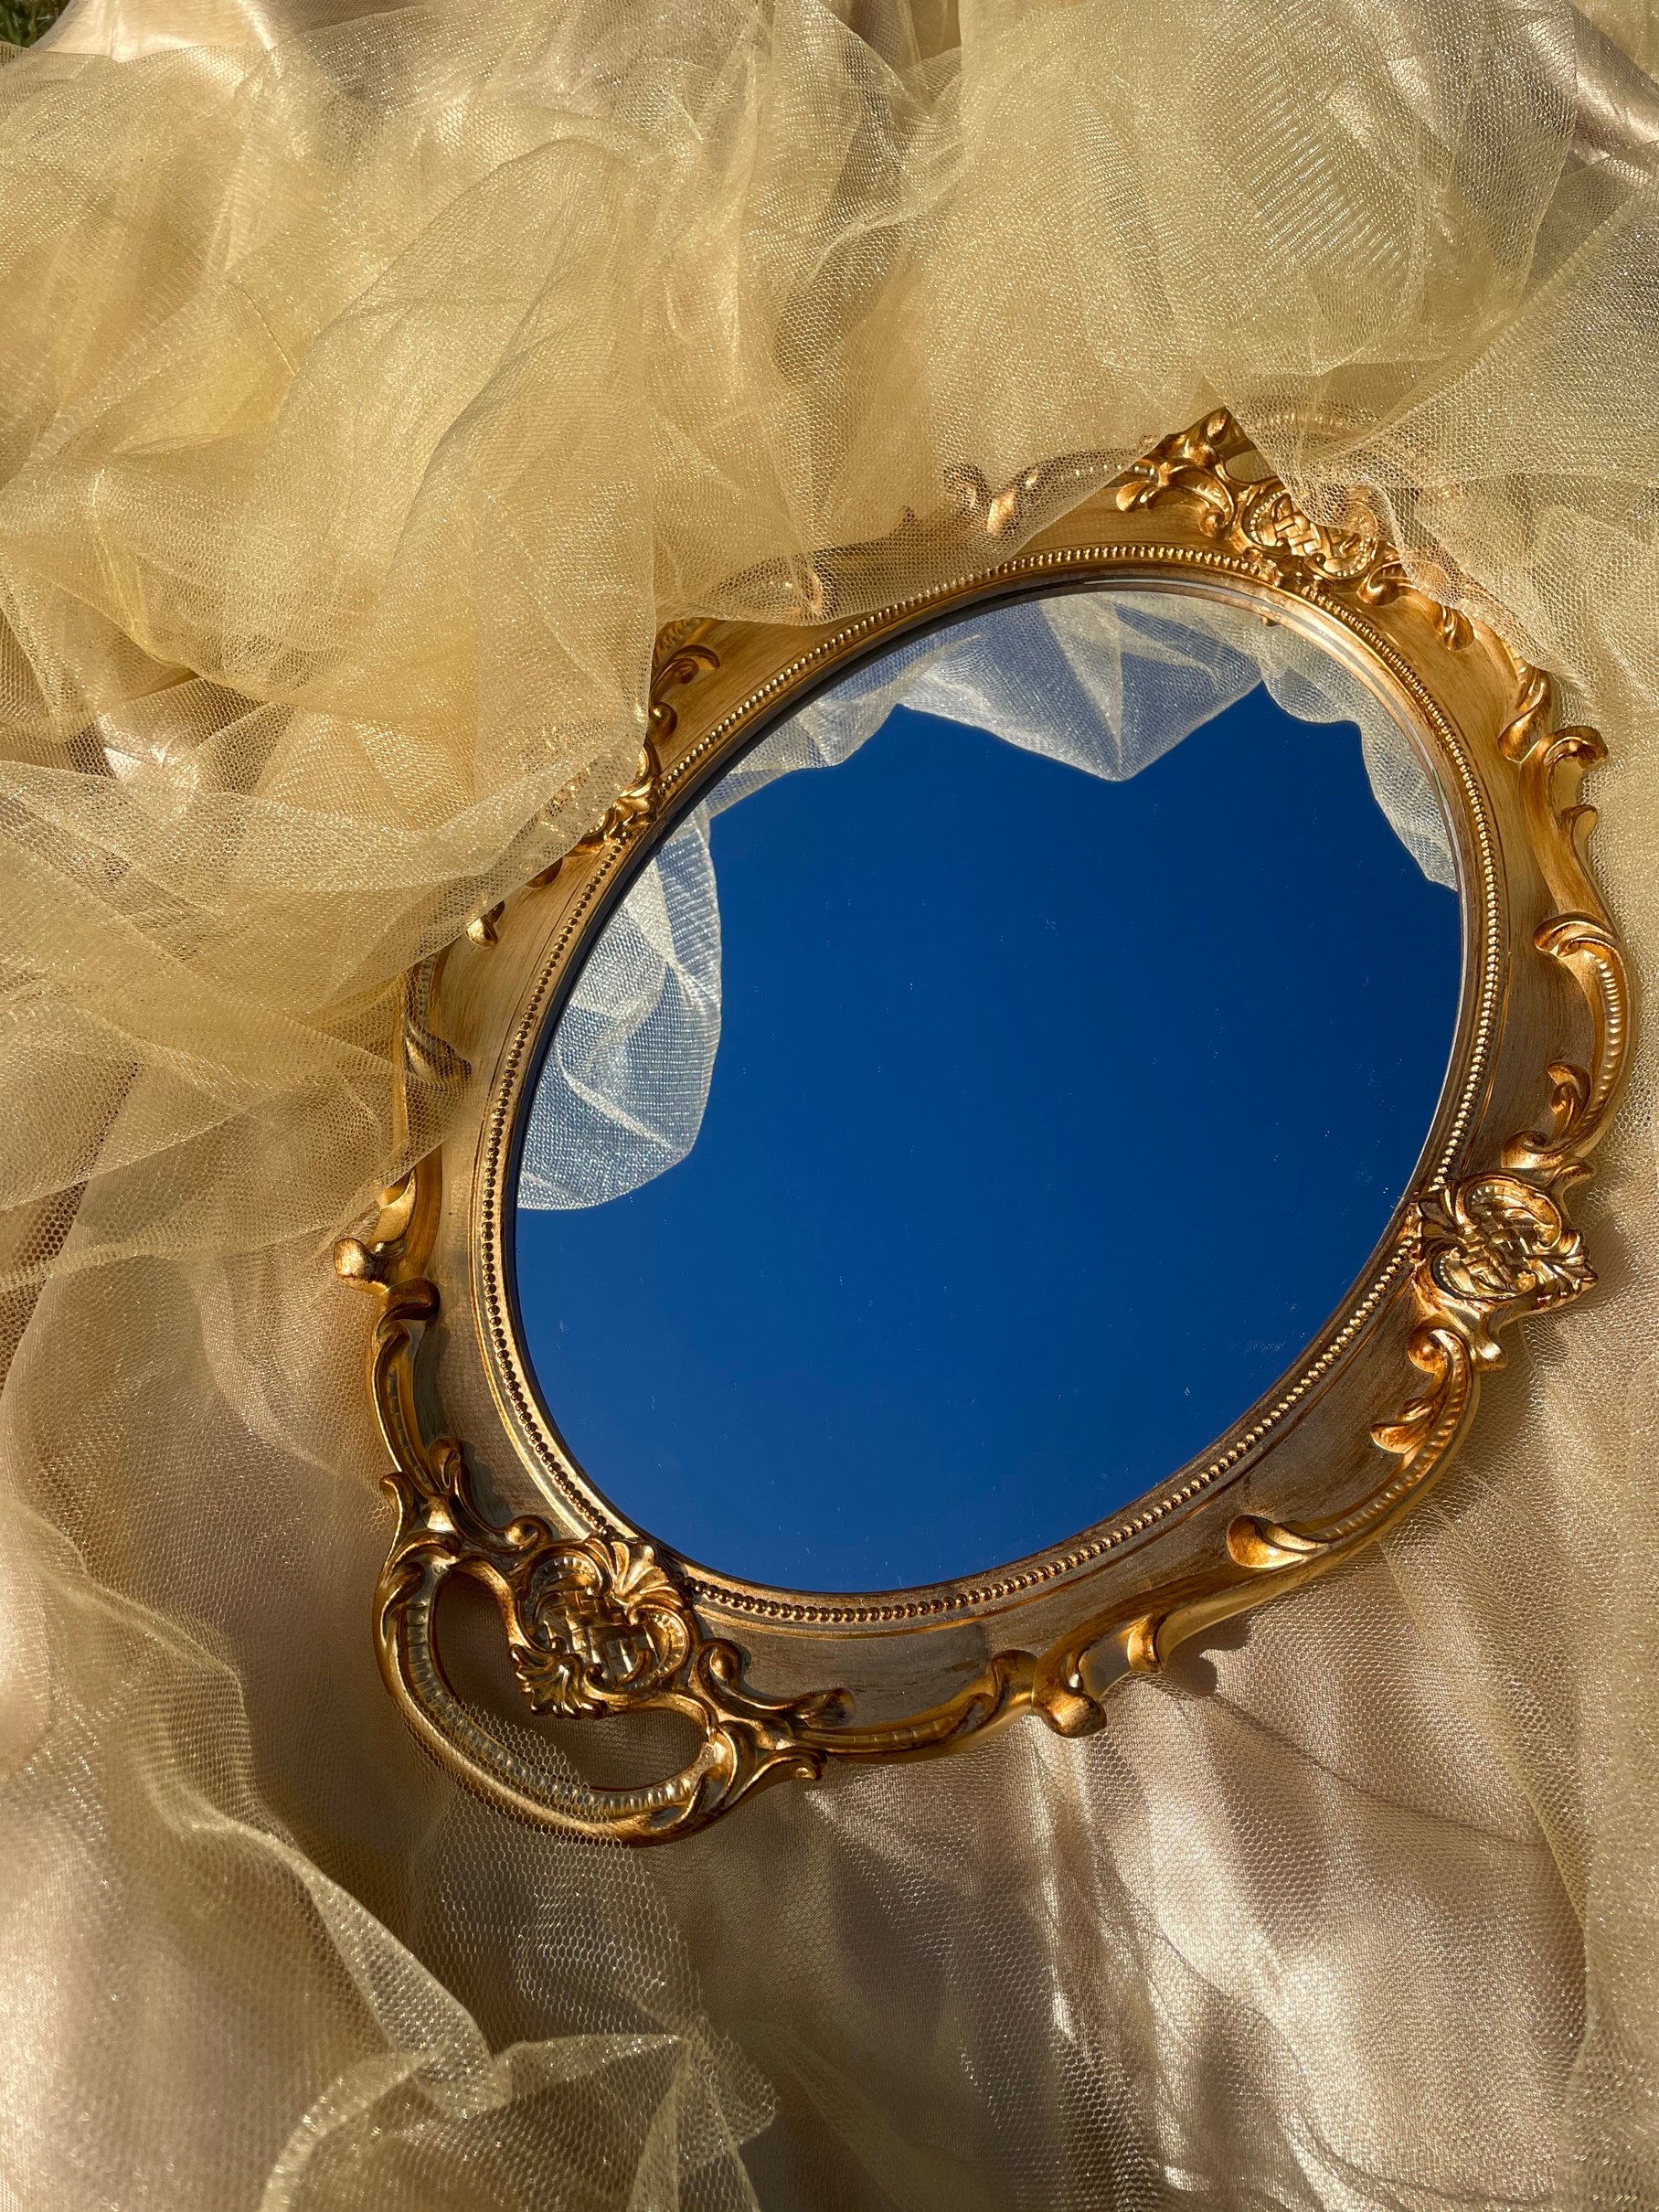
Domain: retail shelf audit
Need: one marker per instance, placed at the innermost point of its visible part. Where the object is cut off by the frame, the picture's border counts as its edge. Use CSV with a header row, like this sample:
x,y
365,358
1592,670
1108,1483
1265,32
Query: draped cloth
x,y
1105,681
373,384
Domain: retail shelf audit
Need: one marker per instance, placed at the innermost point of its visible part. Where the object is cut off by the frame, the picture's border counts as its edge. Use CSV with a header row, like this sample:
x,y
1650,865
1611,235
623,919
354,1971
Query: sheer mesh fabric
x,y
372,386
1105,682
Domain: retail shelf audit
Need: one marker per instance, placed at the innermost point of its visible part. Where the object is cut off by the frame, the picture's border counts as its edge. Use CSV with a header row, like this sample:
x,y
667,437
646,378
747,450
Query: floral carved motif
x,y
1498,1246
1213,465
594,1625
597,1624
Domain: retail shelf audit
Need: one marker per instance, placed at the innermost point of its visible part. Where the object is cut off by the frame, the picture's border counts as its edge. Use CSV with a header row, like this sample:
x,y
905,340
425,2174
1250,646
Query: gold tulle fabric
x,y
372,384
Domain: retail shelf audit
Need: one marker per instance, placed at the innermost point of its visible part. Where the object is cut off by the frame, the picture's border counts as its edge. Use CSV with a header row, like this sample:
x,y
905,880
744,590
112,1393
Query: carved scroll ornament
x,y
597,1624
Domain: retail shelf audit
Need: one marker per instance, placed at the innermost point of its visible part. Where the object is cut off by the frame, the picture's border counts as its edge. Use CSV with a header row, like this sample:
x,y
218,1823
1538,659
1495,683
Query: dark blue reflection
x,y
1051,1120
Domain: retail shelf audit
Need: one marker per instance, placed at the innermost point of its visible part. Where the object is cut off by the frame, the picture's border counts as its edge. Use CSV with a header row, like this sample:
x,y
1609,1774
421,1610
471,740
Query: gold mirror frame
x,y
600,1621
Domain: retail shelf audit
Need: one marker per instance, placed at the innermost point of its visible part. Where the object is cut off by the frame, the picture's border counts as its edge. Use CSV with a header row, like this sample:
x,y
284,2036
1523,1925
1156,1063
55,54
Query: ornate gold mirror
x,y
1273,1055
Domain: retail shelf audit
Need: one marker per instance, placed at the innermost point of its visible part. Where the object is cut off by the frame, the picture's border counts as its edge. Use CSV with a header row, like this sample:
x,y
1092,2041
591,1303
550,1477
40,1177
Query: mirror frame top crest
x,y
778,1685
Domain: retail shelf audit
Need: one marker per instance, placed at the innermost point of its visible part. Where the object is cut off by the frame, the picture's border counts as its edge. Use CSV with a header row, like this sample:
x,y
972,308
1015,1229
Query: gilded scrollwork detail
x,y
597,1626
1581,1097
677,663
1258,517
600,1625
1257,514
1579,936
594,1625
1271,520
1419,1435
632,809
1491,1249
1498,1246
1193,462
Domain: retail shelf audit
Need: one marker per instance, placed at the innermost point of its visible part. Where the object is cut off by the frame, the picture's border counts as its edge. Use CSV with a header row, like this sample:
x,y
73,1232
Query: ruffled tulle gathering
x,y
373,384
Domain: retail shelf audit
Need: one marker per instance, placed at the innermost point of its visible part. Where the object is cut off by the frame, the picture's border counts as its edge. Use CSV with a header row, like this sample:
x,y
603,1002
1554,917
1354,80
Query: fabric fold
x,y
373,384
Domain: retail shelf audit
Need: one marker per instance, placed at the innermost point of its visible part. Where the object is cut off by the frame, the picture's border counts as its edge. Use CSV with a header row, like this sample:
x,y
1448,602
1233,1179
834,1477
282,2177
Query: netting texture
x,y
372,386
1106,682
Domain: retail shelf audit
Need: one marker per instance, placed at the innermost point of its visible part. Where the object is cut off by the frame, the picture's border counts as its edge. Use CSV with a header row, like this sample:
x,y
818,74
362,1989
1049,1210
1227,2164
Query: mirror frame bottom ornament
x,y
598,1620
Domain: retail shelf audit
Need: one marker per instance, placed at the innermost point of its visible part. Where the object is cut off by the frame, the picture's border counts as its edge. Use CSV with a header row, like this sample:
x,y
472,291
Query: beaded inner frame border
x,y
599,1620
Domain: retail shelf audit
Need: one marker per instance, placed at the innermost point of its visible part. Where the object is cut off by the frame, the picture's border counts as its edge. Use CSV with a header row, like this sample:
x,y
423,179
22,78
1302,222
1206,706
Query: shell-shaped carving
x,y
601,1625
1509,1245
598,1624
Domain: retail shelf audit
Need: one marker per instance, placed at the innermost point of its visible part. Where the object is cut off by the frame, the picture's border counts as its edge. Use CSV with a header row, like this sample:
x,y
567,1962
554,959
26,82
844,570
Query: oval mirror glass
x,y
987,1093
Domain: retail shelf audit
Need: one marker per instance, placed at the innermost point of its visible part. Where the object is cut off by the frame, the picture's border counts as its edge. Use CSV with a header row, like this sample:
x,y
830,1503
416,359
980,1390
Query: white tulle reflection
x,y
1106,681
375,385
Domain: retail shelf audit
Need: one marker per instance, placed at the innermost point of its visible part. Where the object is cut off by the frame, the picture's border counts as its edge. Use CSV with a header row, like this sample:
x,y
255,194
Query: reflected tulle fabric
x,y
1105,681
370,388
